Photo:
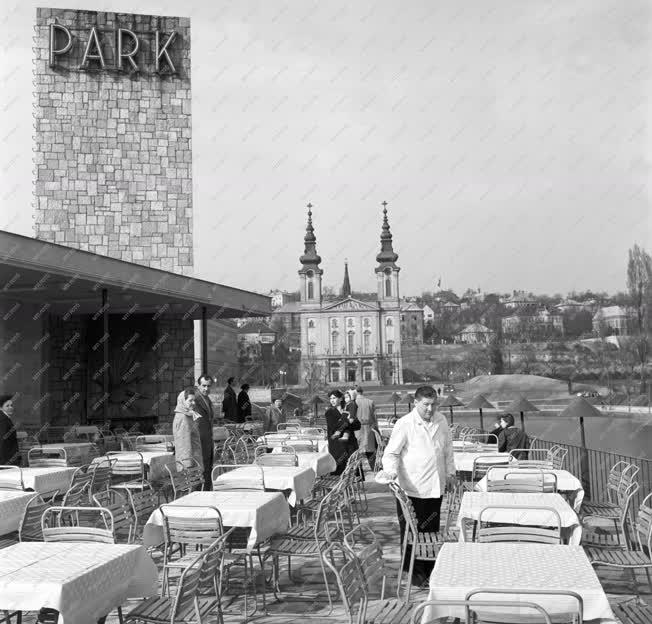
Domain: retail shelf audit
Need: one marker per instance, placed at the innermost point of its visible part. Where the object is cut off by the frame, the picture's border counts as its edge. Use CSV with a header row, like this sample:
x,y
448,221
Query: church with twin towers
x,y
352,341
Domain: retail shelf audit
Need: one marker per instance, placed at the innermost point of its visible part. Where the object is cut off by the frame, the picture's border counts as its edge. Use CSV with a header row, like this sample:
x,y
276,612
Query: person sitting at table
x,y
340,427
496,431
9,452
273,415
511,437
187,441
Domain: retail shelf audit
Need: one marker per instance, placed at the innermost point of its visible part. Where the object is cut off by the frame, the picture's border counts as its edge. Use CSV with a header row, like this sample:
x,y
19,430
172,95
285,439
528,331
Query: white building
x,y
428,314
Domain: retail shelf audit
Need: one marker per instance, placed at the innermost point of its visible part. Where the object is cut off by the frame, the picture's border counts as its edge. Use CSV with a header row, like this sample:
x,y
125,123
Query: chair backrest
x,y
77,495
50,457
11,478
407,509
249,477
186,599
625,495
471,618
83,474
380,450
558,457
313,431
522,480
201,528
118,504
277,459
363,543
61,524
143,504
126,466
194,474
574,616
30,524
350,580
300,446
483,463
518,533
288,427
643,525
101,479
178,480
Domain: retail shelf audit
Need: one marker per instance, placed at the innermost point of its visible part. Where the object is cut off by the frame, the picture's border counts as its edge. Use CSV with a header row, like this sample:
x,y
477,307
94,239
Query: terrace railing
x,y
592,468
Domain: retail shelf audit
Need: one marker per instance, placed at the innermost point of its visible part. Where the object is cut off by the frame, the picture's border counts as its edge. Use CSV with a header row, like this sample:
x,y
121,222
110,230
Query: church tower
x,y
310,273
346,283
387,271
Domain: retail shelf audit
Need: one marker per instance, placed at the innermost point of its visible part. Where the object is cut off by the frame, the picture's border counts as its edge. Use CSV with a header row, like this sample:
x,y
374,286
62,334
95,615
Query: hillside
x,y
505,387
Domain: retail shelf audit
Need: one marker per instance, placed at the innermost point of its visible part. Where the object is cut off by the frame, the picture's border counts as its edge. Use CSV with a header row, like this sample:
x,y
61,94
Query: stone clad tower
x,y
112,139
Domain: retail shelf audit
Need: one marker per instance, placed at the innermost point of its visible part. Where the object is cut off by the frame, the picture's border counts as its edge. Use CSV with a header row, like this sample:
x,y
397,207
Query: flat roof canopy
x,y
71,281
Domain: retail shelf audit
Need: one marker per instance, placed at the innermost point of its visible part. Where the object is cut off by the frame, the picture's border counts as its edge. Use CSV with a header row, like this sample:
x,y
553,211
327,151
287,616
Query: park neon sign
x,y
61,43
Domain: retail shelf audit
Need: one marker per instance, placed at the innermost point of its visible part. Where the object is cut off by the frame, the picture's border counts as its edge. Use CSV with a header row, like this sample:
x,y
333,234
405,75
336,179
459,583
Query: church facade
x,y
348,340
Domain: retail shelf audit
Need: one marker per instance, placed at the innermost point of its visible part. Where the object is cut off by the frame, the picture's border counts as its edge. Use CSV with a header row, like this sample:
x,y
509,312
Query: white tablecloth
x,y
12,507
266,513
298,479
566,482
474,502
42,480
322,463
77,453
154,460
464,461
460,568
81,581
274,440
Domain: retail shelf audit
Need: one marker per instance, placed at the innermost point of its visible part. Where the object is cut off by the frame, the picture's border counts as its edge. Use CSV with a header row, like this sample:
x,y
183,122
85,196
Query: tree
x,y
496,357
528,359
577,322
476,361
639,280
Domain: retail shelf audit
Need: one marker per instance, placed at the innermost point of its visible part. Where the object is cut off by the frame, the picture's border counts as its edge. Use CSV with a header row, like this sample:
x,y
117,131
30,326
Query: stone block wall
x,y
112,147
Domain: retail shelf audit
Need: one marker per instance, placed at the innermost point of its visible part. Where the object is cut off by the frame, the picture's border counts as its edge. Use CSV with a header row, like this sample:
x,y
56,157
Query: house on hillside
x,y
614,320
428,314
520,300
476,333
533,324
411,323
280,298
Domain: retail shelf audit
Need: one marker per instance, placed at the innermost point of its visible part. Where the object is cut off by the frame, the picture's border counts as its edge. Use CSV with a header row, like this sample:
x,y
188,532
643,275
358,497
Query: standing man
x,y
419,455
273,416
244,405
204,408
230,402
366,414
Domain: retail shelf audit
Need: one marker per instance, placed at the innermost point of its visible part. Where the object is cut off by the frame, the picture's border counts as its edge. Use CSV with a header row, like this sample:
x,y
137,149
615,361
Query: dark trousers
x,y
427,511
207,458
371,458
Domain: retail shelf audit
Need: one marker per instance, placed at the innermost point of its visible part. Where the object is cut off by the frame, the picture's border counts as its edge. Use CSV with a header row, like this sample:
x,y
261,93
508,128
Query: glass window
x,y
389,322
390,347
366,342
351,342
335,341
388,287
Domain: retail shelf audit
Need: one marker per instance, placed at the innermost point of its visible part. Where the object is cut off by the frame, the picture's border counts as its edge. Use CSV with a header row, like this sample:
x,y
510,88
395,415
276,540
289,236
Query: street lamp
x,y
282,374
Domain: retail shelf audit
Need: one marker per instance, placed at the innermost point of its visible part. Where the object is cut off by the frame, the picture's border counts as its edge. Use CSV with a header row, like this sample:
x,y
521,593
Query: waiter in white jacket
x,y
419,455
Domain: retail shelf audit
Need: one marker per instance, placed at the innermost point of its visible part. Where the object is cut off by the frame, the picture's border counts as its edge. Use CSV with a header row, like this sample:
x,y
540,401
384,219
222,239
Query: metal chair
x,y
30,524
524,480
194,474
492,532
424,546
287,458
188,604
11,478
77,496
640,559
128,470
380,450
179,482
249,477
143,504
300,446
50,457
536,458
54,529
124,523
418,616
101,478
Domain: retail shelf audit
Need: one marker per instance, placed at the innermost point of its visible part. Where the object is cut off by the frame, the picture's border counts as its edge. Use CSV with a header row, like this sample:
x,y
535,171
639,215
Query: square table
x,y
12,508
83,581
463,567
298,479
156,461
566,482
44,480
322,463
473,503
265,513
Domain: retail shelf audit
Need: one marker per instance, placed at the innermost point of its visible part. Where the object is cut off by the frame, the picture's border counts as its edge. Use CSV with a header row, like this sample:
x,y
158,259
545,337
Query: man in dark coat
x,y
204,408
230,402
244,405
9,454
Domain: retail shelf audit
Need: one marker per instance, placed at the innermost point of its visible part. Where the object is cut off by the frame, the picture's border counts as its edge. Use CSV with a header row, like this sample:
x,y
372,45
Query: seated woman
x,y
512,437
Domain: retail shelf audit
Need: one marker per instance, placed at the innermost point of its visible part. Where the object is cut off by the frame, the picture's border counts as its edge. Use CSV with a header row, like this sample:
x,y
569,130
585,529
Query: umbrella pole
x,y
522,421
584,462
481,420
394,409
450,407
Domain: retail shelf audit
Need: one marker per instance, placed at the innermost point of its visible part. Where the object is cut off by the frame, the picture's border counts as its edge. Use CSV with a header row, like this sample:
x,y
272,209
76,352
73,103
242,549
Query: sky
x,y
510,139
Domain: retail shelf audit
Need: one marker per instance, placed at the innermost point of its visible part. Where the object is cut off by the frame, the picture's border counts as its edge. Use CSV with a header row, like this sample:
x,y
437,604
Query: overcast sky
x,y
510,138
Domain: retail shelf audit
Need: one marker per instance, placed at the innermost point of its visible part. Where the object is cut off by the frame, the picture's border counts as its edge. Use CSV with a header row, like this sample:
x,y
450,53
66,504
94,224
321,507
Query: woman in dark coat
x,y
512,437
9,453
244,405
340,426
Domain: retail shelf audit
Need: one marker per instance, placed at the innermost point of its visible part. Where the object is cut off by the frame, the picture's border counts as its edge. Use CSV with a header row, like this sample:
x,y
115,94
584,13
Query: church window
x,y
389,322
350,342
335,336
335,372
366,323
366,342
367,371
311,324
349,322
311,349
388,287
390,347
311,290
334,323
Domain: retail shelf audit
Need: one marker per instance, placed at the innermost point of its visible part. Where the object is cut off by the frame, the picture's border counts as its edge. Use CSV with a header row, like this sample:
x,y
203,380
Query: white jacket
x,y
421,454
